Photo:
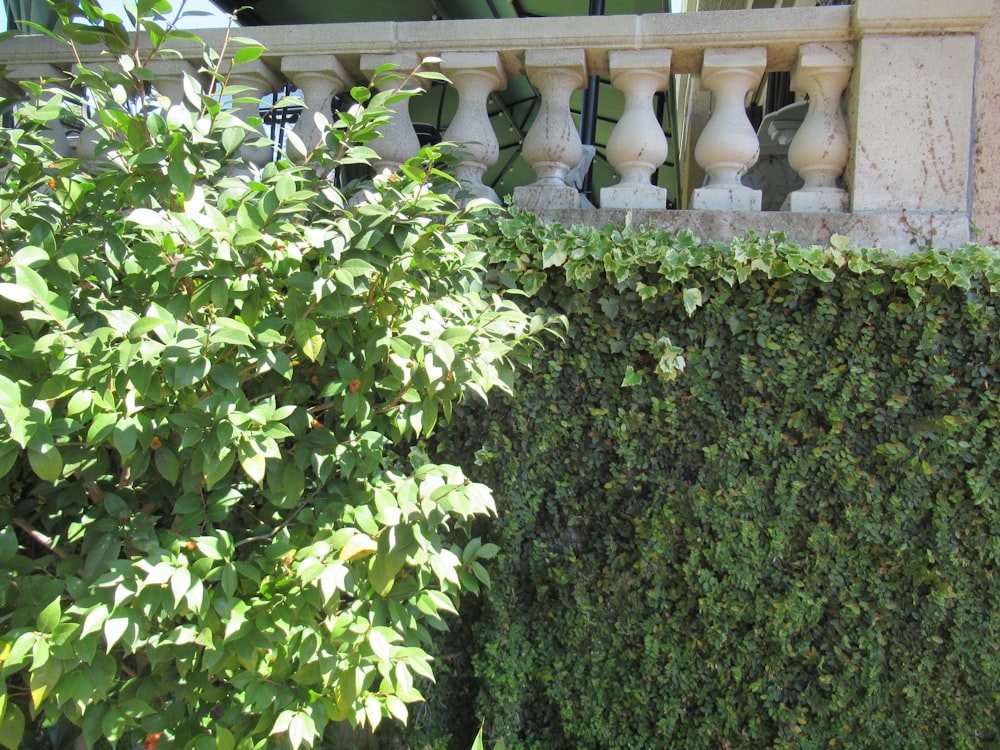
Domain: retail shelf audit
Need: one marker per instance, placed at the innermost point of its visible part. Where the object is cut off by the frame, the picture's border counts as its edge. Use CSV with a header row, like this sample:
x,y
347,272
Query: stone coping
x,y
781,30
901,232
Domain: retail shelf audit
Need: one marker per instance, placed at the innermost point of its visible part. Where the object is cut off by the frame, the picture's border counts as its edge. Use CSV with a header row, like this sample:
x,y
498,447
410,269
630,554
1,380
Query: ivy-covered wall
x,y
750,499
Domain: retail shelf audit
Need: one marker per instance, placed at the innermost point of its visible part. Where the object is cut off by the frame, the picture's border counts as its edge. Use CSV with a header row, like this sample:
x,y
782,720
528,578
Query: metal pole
x,y
588,109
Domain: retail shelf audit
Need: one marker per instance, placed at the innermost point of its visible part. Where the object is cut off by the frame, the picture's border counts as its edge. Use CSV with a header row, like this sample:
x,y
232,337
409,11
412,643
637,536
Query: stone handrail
x,y
896,165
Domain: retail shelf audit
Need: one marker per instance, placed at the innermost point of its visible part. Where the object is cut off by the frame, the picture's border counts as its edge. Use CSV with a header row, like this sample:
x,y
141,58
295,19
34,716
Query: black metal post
x,y
588,109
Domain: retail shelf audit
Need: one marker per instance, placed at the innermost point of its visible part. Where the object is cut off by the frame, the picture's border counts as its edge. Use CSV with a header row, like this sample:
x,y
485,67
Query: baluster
x,y
820,148
637,146
169,82
552,147
399,140
260,81
474,75
321,78
169,77
728,145
38,72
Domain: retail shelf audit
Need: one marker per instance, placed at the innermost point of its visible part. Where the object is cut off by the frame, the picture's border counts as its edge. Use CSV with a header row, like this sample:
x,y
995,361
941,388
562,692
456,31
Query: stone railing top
x,y
908,17
688,35
885,197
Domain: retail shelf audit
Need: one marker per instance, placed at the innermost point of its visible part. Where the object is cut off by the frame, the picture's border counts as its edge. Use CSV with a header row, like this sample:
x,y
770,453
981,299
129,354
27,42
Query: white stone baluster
x,y
38,72
169,77
552,147
728,145
399,140
87,140
637,146
261,81
821,146
321,78
474,75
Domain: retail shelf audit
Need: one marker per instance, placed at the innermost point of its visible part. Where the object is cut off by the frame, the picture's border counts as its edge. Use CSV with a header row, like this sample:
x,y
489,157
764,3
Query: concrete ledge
x,y
781,30
903,233
908,17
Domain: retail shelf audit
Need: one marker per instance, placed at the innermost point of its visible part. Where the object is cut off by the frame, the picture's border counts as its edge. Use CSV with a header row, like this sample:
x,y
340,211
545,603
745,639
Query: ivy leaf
x,y
839,241
692,300
632,378
553,255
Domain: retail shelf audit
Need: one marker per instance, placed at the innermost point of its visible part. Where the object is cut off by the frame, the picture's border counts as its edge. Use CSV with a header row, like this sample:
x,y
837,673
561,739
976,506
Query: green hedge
x,y
749,500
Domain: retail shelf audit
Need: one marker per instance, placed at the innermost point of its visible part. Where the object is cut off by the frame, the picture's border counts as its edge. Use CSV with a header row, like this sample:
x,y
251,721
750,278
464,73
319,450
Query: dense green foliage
x,y
218,527
751,500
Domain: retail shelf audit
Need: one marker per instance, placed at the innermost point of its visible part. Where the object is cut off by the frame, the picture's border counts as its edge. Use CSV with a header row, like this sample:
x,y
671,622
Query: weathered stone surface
x,y
638,196
821,145
986,155
922,117
910,108
901,232
728,145
637,146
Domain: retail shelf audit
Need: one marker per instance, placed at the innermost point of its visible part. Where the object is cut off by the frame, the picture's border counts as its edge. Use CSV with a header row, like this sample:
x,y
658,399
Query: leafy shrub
x,y
219,527
750,500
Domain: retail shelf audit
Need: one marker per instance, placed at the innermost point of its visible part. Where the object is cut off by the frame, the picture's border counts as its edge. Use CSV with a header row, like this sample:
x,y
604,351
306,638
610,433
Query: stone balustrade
x,y
883,153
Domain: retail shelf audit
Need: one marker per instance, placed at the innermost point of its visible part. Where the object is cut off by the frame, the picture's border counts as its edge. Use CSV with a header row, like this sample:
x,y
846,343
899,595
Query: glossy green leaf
x,y
49,617
15,293
46,461
11,727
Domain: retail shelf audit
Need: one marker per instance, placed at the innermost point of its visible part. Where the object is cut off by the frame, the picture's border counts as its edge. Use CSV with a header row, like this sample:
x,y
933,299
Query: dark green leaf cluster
x,y
752,498
219,527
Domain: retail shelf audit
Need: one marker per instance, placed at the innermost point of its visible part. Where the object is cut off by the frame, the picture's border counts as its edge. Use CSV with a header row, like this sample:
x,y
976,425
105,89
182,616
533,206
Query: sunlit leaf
x,y
359,546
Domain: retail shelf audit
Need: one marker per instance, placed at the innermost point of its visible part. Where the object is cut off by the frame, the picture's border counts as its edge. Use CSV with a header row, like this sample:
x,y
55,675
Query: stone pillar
x,y
986,167
475,75
821,145
728,145
260,81
637,146
399,140
552,147
915,65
